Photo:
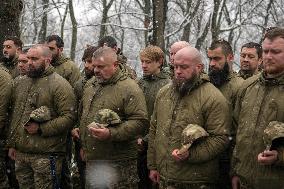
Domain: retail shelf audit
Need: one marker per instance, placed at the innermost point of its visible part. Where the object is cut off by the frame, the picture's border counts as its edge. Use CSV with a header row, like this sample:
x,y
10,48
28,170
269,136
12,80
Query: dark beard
x,y
88,74
54,60
36,73
7,60
183,88
219,77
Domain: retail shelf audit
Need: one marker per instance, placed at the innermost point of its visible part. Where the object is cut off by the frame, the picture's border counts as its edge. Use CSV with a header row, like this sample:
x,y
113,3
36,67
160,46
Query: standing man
x,y
63,65
260,105
38,145
189,99
11,47
6,83
110,151
221,75
250,59
152,59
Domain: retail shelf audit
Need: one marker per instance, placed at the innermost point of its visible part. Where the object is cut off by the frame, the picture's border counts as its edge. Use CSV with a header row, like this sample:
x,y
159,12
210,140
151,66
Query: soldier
x,y
66,68
189,99
109,41
22,62
11,47
39,145
63,65
5,96
152,58
260,104
221,75
250,59
79,87
110,151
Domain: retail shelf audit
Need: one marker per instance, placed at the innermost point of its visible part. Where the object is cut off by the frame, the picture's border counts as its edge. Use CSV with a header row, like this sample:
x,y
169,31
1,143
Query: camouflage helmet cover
x,y
274,130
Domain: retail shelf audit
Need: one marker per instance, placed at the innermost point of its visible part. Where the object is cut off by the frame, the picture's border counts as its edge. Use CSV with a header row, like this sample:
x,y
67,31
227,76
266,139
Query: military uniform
x,y
150,86
12,67
205,106
123,96
245,75
35,151
5,95
260,102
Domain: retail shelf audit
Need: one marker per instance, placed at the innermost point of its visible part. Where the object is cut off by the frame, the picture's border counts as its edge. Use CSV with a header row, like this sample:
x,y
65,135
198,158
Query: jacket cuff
x,y
280,157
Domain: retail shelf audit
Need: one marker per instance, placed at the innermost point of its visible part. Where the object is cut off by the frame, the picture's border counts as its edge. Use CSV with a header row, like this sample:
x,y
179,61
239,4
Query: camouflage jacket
x,y
67,69
260,101
52,91
122,95
245,76
205,106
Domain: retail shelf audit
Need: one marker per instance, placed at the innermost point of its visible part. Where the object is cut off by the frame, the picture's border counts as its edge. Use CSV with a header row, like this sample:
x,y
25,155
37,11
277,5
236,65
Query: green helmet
x,y
105,117
190,134
274,130
41,114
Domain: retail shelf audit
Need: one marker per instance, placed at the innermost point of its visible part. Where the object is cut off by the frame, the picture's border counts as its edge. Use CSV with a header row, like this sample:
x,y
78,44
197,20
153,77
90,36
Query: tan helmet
x,y
105,117
41,114
190,134
274,130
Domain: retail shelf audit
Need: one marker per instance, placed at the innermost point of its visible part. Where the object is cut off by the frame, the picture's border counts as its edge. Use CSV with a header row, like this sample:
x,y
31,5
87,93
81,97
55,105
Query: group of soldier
x,y
177,127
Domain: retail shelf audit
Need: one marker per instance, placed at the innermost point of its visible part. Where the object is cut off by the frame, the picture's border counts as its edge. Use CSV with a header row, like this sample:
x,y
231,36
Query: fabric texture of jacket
x,y
12,67
259,102
203,105
122,95
50,90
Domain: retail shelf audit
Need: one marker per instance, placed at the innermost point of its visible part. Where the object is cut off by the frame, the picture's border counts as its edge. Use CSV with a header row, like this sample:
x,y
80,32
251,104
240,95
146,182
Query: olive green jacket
x,y
67,69
259,102
12,67
245,76
205,106
122,95
49,90
6,84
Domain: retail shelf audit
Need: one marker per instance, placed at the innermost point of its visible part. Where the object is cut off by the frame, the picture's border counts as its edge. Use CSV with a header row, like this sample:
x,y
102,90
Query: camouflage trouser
x,y
112,174
176,185
33,171
3,177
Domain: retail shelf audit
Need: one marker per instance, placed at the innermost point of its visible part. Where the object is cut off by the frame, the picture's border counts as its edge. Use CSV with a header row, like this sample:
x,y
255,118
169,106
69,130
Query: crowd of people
x,y
177,127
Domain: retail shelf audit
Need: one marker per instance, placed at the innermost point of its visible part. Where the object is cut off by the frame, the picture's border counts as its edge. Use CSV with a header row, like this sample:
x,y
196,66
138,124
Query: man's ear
x,y
60,50
200,67
18,51
230,58
161,62
115,64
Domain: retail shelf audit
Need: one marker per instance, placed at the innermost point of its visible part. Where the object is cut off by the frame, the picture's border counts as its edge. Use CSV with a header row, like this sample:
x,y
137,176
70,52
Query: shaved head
x,y
176,47
106,54
189,54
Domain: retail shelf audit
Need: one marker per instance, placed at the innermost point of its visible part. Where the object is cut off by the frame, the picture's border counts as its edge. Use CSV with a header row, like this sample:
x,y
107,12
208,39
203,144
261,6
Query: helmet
x,y
40,114
104,118
274,130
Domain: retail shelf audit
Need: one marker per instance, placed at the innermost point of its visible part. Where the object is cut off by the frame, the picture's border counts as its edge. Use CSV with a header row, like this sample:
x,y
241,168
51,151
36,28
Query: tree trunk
x,y
63,21
10,11
43,29
106,8
74,31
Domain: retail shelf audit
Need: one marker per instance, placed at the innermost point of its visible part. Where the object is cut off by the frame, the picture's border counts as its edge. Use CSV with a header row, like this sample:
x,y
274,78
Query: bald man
x,y
189,100
110,152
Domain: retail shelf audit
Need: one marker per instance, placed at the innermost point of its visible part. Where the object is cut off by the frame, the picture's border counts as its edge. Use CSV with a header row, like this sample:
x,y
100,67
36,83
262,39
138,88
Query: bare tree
x,y
106,7
74,31
43,28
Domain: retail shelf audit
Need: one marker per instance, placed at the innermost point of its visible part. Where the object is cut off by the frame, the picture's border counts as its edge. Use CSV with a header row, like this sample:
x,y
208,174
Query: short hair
x,y
105,51
225,46
17,41
57,39
108,41
274,33
25,50
44,50
152,52
255,46
88,52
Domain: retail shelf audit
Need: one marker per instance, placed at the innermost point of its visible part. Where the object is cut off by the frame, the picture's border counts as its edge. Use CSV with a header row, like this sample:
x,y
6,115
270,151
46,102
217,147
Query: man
x,y
38,147
152,58
22,62
260,103
175,47
11,47
110,151
221,75
79,87
250,59
189,99
109,41
5,96
63,65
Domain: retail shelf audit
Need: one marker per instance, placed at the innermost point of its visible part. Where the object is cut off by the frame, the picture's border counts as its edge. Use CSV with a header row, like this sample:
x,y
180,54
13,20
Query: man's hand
x,y
179,157
235,182
154,176
267,157
75,133
100,133
12,153
32,127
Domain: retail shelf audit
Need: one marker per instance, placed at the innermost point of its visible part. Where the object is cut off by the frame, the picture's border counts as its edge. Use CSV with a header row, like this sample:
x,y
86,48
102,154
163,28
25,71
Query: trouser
x,y
177,185
102,174
3,174
79,178
34,171
143,171
66,181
